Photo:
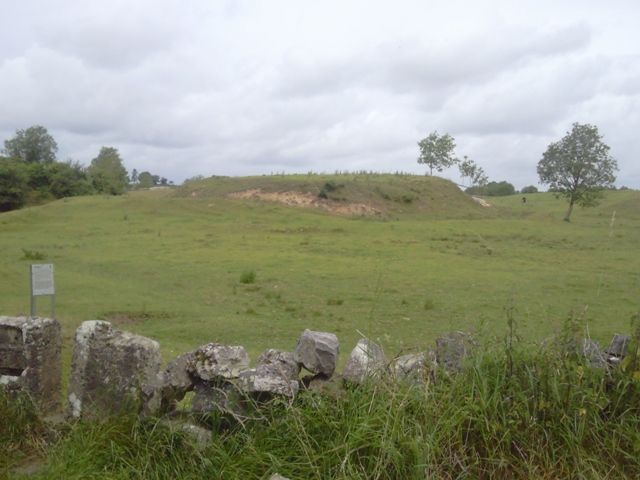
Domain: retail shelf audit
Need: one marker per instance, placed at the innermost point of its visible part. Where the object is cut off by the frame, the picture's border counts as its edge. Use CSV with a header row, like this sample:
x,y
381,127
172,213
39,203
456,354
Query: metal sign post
x,y
41,276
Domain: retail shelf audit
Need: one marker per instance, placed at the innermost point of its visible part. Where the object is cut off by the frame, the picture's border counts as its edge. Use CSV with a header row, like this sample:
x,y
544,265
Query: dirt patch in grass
x,y
308,199
482,202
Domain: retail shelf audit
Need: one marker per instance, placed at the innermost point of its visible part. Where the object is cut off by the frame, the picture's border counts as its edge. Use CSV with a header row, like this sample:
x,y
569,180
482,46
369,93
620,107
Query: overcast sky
x,y
208,87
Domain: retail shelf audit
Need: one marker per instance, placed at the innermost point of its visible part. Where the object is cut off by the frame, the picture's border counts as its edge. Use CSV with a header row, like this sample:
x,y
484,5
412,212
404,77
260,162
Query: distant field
x,y
169,263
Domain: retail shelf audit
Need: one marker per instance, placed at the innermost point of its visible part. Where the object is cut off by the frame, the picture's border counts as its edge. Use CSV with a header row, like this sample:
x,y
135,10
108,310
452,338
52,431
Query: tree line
x,y
30,172
578,167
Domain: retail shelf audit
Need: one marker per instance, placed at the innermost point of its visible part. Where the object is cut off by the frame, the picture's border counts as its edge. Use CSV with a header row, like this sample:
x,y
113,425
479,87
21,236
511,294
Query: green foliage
x,y
516,411
247,277
33,145
32,255
493,189
107,172
68,179
327,188
529,189
145,180
14,185
22,183
471,170
578,167
436,151
21,429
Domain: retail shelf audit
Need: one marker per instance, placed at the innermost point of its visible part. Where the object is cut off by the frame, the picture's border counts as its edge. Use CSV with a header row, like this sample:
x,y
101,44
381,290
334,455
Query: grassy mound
x,y
385,194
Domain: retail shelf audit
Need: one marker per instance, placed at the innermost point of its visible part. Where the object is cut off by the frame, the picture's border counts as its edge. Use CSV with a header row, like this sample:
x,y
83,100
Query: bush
x,y
493,189
248,277
14,185
529,189
327,188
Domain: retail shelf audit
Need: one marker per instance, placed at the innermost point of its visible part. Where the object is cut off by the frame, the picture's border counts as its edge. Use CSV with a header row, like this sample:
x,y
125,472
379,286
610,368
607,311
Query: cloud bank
x,y
244,87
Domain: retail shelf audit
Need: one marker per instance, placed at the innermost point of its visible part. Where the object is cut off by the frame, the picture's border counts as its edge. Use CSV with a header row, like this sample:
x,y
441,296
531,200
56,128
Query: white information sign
x,y
42,280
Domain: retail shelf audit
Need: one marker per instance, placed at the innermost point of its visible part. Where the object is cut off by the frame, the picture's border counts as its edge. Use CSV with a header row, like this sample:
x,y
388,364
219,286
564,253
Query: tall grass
x,y
516,412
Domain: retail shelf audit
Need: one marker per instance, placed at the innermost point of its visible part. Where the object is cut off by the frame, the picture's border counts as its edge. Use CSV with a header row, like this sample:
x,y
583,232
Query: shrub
x,y
493,189
32,255
529,189
247,277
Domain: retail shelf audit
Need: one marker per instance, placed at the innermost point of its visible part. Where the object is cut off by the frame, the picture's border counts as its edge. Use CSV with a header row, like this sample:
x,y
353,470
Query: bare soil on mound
x,y
307,199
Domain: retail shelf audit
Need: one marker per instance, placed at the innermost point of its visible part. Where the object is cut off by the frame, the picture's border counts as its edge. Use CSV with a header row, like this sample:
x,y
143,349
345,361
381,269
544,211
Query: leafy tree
x,y
529,189
13,184
578,167
436,151
145,180
471,170
33,145
107,173
68,179
134,176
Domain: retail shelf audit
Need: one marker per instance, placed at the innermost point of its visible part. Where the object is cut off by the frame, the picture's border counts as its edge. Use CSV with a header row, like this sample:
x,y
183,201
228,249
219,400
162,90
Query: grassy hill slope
x,y
169,264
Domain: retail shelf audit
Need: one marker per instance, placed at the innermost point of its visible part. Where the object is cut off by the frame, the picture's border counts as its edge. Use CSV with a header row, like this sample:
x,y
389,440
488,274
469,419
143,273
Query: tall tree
x,y
108,175
578,167
436,151
33,145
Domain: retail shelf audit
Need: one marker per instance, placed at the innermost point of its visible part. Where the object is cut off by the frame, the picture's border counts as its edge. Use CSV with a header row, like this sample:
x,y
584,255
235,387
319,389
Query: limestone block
x,y
591,352
617,349
365,361
283,362
220,362
111,370
317,352
218,396
268,379
30,358
451,350
177,379
415,368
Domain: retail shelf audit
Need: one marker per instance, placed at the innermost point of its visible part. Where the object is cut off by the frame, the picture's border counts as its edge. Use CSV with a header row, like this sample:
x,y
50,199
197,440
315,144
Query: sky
x,y
209,87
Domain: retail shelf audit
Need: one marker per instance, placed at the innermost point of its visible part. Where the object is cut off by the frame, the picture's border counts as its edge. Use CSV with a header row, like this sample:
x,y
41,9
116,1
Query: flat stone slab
x,y
220,362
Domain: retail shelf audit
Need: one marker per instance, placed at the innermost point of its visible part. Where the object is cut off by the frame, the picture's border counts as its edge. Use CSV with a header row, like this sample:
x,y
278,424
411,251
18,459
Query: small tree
x,y
134,176
108,175
471,170
145,180
529,189
436,151
33,145
578,167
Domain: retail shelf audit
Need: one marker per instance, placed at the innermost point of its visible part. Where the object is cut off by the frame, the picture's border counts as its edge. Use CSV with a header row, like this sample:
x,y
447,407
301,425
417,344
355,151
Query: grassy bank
x,y
520,411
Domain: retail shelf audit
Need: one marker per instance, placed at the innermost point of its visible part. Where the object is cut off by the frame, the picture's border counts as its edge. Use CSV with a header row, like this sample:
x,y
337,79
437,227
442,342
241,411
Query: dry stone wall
x,y
30,358
113,371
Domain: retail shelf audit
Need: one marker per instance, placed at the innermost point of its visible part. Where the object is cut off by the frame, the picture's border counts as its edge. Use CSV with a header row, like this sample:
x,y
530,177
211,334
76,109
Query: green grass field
x,y
168,264
191,265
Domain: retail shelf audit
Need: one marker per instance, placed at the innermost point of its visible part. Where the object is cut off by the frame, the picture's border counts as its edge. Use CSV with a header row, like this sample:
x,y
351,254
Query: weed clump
x,y
33,255
247,277
327,188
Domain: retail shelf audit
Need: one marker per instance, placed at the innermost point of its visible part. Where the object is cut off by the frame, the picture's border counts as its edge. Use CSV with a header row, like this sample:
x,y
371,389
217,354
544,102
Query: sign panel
x,y
42,280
